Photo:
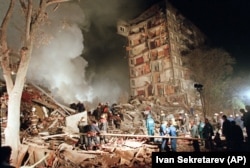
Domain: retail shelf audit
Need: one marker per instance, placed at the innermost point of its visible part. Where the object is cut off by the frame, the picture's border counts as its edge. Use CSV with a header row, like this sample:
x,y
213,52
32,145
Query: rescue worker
x,y
92,135
103,126
200,129
162,116
163,132
97,113
186,123
150,124
117,120
83,129
172,132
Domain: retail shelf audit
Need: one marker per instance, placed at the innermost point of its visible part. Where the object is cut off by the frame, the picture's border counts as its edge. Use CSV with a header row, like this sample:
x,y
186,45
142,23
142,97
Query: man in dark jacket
x,y
237,138
83,129
227,132
208,132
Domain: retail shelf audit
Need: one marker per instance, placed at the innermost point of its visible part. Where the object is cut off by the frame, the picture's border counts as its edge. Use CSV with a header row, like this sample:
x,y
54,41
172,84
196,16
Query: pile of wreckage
x,y
51,137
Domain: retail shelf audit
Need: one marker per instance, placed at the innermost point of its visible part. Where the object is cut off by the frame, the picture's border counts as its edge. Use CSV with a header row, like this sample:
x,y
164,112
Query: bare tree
x,y
34,16
211,68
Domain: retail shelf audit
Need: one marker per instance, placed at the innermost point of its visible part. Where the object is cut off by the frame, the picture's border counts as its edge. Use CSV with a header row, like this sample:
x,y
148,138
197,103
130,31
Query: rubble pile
x,y
50,134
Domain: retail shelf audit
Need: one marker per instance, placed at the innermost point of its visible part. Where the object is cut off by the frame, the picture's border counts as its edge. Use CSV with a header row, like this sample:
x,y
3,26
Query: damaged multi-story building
x,y
158,39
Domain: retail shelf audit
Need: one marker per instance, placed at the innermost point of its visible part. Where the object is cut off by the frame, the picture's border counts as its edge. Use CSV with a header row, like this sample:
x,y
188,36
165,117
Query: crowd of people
x,y
99,120
204,132
207,132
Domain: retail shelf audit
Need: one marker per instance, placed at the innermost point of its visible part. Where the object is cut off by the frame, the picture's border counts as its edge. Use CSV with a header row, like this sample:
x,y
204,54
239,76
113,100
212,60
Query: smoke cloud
x,y
56,61
78,56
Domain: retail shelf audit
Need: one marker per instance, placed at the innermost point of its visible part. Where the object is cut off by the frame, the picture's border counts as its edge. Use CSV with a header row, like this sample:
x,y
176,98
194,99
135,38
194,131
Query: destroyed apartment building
x,y
157,41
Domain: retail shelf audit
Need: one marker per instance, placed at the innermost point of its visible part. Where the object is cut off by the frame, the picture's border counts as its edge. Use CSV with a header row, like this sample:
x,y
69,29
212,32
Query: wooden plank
x,y
23,150
127,135
146,136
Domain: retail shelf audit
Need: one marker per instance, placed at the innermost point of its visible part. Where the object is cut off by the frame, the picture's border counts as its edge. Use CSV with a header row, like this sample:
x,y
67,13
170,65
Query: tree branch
x,y
23,5
50,2
4,25
28,20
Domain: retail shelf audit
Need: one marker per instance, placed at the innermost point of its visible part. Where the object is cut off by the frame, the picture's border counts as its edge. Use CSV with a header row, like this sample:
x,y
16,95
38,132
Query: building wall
x,y
157,41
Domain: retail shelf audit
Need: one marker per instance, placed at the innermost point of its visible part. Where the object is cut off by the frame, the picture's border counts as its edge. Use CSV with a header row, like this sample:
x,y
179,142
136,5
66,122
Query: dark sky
x,y
225,22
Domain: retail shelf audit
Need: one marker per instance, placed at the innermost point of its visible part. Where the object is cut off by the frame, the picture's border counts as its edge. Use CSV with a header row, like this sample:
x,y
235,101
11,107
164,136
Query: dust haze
x,y
78,55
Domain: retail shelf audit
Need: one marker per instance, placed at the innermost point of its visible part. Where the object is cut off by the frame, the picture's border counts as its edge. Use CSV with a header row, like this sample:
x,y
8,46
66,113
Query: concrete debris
x,y
50,129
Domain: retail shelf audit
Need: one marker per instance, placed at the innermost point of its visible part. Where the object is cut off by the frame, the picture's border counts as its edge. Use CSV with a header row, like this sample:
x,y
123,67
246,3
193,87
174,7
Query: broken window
x,y
139,60
133,82
169,89
122,29
146,68
154,54
160,90
132,73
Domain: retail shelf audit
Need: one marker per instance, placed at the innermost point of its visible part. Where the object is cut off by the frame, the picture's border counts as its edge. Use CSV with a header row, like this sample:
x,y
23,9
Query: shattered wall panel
x,y
72,121
141,81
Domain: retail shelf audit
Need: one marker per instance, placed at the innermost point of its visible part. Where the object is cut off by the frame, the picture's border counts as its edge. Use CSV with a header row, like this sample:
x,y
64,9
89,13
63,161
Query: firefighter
x,y
150,124
117,120
103,126
92,134
83,129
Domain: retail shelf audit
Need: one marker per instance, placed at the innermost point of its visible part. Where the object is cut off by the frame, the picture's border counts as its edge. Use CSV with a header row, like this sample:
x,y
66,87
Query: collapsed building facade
x,y
157,40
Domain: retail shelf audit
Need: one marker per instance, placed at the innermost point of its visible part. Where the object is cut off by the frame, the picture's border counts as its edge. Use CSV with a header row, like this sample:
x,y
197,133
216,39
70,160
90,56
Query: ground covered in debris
x,y
50,137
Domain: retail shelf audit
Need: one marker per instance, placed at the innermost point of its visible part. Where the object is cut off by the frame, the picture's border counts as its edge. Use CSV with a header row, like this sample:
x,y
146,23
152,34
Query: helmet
x,y
103,116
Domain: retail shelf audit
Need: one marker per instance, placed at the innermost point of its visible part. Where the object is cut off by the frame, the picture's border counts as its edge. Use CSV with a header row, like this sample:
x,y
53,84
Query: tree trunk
x,y
13,123
12,136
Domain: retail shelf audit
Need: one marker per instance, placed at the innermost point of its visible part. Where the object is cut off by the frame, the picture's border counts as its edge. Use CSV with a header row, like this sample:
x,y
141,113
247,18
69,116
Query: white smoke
x,y
56,60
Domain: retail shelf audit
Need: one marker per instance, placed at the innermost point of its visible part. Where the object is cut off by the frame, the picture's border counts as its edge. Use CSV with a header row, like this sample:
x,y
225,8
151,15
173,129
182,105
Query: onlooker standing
x,y
195,134
243,114
208,132
239,121
227,132
237,138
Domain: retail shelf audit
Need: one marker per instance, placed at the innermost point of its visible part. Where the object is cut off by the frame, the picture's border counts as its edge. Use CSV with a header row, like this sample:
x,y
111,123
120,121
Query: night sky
x,y
225,22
